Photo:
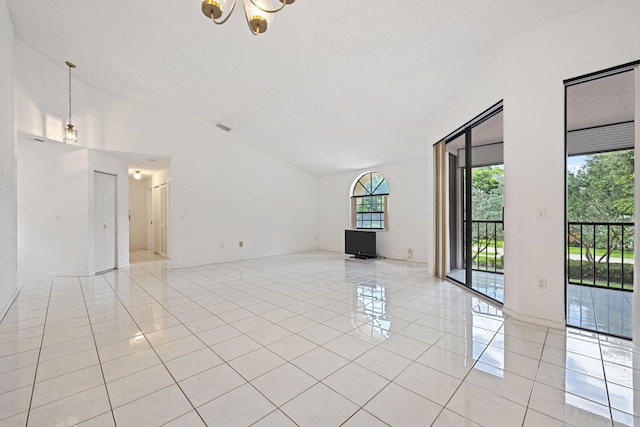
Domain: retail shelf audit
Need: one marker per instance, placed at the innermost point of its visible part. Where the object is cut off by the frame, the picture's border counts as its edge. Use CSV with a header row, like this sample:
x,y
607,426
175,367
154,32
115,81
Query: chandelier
x,y
70,134
259,13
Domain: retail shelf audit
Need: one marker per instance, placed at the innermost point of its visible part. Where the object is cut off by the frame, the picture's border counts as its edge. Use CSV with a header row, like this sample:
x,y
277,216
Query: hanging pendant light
x,y
258,13
137,175
70,134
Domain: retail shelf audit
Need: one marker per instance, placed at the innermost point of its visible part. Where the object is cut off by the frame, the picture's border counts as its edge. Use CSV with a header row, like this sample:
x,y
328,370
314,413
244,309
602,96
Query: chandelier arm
x,y
246,17
233,5
284,3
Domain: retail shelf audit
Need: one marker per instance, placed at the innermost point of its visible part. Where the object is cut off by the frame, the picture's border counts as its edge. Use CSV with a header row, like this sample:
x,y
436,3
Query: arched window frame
x,y
370,202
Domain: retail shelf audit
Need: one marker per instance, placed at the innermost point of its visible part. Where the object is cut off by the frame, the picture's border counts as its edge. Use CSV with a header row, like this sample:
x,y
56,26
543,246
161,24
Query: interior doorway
x,y
476,204
600,204
104,221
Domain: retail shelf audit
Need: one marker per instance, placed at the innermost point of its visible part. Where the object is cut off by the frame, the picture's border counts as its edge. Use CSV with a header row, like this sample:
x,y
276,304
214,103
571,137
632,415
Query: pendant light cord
x,y
69,94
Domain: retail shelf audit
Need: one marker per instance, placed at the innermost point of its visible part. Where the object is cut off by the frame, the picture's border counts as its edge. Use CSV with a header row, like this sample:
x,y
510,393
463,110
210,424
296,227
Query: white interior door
x,y
149,219
160,206
104,221
155,201
164,198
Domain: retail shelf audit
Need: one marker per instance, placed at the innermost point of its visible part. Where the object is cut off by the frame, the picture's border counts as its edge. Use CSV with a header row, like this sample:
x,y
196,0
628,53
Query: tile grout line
x,y
539,359
535,380
278,407
224,361
153,348
415,360
467,374
430,346
93,336
35,375
606,383
206,346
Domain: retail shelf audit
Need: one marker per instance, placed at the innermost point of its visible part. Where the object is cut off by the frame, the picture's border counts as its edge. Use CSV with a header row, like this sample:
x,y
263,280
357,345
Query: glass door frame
x,y
635,68
466,197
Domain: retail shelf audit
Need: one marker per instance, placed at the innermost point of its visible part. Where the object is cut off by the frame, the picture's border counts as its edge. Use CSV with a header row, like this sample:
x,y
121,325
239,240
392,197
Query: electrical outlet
x,y
541,283
240,244
410,251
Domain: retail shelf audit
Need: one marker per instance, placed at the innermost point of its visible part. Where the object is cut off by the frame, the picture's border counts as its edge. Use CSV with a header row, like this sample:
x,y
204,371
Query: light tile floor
x,y
607,311
304,339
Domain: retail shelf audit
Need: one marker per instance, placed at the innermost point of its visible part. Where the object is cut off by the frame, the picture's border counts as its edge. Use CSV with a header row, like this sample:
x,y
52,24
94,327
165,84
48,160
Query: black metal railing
x,y
487,239
601,254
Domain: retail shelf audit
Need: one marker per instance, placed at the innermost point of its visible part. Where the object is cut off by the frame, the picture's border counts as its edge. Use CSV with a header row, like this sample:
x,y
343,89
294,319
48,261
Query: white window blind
x,y
483,155
619,136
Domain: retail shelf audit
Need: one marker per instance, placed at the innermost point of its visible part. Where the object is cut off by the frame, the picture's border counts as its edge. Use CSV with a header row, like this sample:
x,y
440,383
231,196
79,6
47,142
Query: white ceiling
x,y
332,86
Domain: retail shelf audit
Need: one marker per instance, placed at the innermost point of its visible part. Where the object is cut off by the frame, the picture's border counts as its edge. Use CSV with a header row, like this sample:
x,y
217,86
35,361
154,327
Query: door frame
x,y
465,198
635,68
115,222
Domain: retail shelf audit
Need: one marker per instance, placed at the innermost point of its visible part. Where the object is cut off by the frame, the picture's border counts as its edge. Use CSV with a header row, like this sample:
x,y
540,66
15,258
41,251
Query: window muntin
x,y
369,196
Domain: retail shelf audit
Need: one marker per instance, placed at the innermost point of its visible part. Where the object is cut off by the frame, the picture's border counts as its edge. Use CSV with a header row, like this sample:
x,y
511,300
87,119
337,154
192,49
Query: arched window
x,y
369,193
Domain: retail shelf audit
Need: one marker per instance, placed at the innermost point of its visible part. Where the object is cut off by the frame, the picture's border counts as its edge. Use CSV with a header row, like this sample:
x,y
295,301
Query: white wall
x,y
138,222
529,76
408,211
53,210
222,192
8,241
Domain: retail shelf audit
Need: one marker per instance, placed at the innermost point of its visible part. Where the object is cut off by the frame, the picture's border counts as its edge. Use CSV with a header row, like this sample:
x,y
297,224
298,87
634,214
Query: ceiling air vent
x,y
223,127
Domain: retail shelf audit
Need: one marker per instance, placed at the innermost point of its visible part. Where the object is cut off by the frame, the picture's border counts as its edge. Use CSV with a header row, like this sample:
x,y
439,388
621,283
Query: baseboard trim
x,y
535,320
218,261
69,274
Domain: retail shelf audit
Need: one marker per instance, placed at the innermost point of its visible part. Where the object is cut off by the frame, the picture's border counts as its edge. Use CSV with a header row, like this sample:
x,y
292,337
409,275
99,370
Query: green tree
x,y
487,193
600,191
603,189
486,179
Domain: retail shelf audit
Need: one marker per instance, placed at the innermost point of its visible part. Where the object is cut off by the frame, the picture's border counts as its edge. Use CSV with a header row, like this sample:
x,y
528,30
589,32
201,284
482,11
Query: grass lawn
x,y
600,284
628,254
492,243
599,252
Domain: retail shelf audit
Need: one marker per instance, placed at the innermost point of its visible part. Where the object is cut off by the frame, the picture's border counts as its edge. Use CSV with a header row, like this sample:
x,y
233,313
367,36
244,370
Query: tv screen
x,y
361,244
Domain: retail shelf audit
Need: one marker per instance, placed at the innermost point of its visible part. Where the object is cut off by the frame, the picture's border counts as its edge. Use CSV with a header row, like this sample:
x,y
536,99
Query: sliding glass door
x,y
476,201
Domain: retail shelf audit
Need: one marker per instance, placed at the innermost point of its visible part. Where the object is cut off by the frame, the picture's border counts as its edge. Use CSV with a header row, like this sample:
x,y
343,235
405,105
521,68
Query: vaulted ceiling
x,y
333,85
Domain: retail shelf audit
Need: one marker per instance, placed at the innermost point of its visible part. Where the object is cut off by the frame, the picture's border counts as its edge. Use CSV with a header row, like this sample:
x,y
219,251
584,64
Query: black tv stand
x,y
358,256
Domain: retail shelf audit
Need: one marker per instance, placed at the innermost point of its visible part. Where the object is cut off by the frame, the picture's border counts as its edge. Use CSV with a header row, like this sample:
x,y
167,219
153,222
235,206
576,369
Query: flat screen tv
x,y
361,244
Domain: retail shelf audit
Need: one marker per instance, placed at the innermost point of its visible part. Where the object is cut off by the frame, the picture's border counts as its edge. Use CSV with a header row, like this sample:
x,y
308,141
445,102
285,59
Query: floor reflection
x,y
370,298
489,284
608,311
309,330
